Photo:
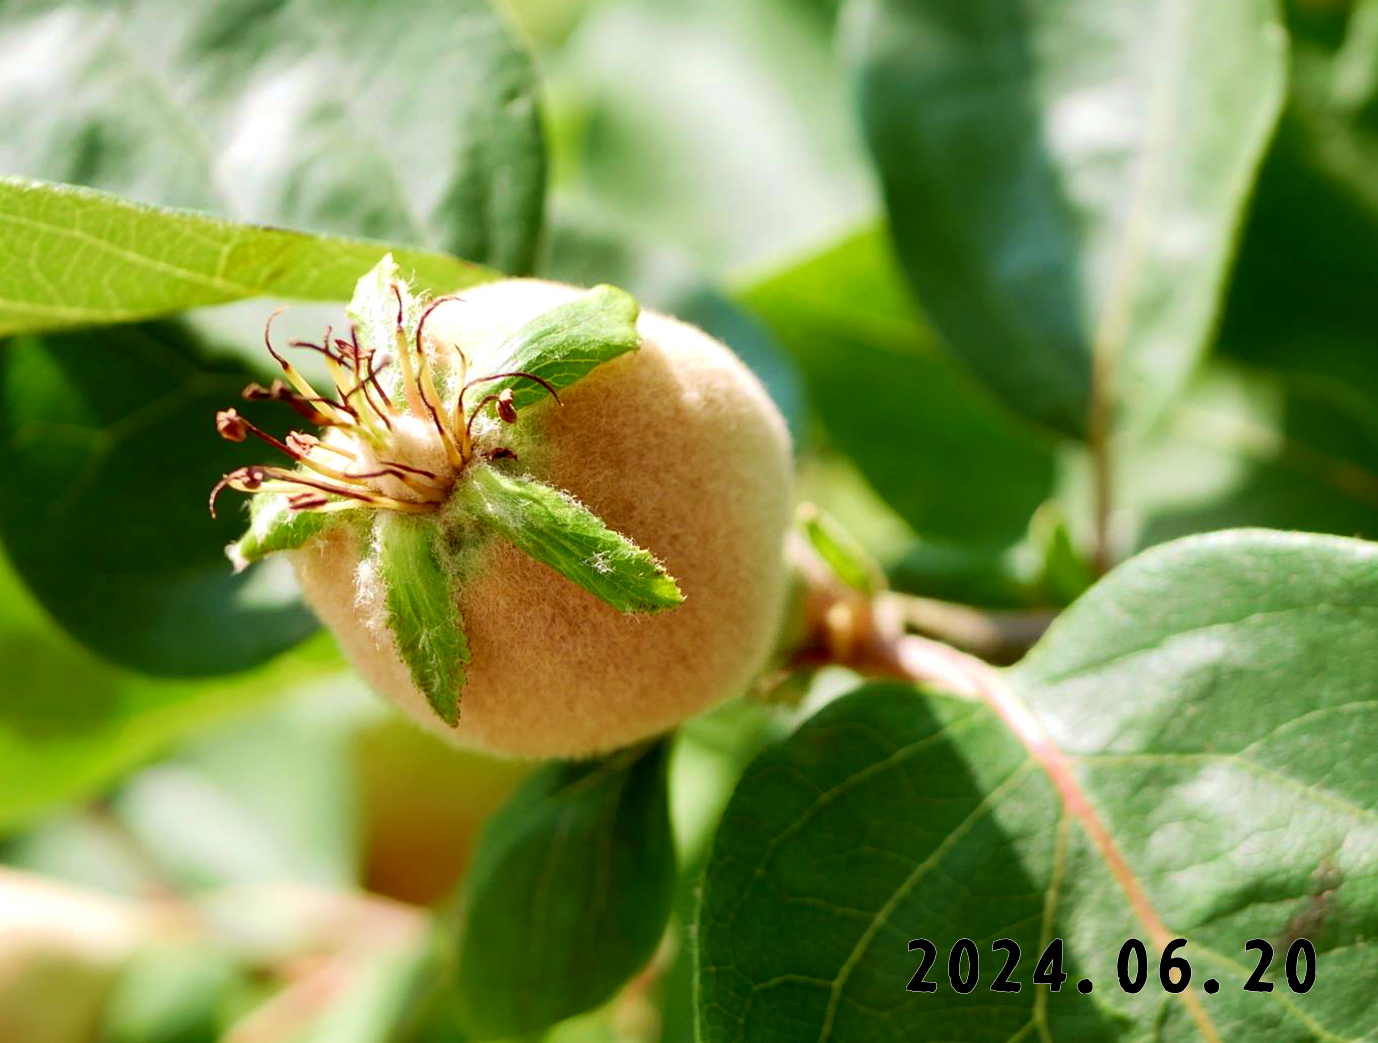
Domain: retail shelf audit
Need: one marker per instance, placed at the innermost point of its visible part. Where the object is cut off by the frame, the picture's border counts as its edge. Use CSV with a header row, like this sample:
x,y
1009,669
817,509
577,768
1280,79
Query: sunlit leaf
x,y
1168,762
74,257
1064,182
418,126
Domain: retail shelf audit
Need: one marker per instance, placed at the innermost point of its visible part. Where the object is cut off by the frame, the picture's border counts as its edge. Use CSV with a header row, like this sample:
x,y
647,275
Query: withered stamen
x,y
305,443
516,373
279,392
404,356
421,471
421,322
475,414
361,406
230,426
506,409
365,495
236,428
296,379
307,501
244,479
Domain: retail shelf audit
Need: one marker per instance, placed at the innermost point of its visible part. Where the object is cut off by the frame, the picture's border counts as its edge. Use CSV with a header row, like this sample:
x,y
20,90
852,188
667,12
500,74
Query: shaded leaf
x,y
394,999
566,343
418,126
267,797
1301,296
110,452
1114,785
587,247
1064,181
1250,446
422,613
74,257
555,530
568,895
955,464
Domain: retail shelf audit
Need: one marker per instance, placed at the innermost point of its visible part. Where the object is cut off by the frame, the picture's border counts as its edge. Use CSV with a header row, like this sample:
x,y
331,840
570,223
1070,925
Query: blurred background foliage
x,y
170,735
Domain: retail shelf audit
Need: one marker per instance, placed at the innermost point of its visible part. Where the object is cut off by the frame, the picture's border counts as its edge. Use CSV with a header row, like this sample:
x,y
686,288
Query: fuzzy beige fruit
x,y
676,446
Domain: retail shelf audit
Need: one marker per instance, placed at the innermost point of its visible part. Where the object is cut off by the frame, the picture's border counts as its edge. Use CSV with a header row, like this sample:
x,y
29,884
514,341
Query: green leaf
x,y
270,795
1301,294
1188,753
172,993
756,162
1254,446
1064,182
586,247
422,613
273,527
568,895
74,257
418,126
566,343
109,454
554,529
917,427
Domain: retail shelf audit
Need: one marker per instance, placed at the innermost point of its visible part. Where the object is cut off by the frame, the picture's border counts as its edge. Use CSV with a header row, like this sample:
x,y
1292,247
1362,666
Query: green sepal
x,y
556,530
274,526
566,343
419,593
373,308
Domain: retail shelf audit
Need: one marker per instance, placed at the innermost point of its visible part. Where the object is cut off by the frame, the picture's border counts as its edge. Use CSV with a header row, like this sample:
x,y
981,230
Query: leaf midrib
x,y
1028,729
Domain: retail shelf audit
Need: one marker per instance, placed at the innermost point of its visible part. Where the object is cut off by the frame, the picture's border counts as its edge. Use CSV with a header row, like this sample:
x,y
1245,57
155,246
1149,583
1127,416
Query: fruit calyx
x,y
374,451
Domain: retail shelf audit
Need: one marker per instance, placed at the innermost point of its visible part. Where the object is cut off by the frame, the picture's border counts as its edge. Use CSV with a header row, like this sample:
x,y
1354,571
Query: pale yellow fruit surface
x,y
422,804
677,446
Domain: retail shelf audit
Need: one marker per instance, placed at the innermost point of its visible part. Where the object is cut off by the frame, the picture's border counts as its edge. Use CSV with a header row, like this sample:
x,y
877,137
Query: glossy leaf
x,y
334,116
955,464
110,453
566,343
1169,762
557,531
422,614
1064,181
568,895
74,257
